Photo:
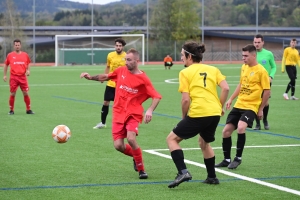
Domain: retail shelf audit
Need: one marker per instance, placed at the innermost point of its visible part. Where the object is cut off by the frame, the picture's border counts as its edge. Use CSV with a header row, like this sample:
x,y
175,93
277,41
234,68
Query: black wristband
x,y
271,77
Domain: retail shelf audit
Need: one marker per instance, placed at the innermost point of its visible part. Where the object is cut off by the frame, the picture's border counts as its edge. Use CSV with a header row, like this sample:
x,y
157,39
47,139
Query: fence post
x,y
230,51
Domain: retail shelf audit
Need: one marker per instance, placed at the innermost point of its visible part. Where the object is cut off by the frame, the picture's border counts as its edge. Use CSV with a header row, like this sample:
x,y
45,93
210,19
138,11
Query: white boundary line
x,y
262,146
281,188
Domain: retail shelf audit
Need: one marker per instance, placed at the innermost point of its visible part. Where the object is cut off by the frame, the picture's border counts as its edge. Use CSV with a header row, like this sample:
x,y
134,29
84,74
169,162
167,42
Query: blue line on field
x,y
175,117
132,183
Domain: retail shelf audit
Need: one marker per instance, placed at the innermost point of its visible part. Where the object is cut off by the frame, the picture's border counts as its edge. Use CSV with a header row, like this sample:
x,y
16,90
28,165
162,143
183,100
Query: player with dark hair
x,y
133,87
253,92
115,59
266,59
290,59
201,111
168,62
19,70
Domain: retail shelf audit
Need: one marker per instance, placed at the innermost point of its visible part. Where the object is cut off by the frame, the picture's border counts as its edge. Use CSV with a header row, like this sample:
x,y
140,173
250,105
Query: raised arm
x,y
99,77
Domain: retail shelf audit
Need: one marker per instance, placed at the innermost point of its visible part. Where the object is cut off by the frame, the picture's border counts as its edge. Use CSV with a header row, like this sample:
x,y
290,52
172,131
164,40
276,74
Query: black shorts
x,y
291,70
237,114
167,64
205,126
109,94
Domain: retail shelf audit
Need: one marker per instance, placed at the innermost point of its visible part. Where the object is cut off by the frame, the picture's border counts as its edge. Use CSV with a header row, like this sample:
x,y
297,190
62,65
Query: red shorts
x,y
16,81
119,130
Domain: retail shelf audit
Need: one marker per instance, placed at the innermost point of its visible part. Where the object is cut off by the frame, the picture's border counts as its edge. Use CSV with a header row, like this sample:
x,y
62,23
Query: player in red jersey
x,y
19,68
133,87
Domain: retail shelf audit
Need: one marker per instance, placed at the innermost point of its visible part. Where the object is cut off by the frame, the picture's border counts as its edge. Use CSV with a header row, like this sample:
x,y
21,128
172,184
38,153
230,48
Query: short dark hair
x,y
120,40
17,40
250,47
194,49
134,52
294,40
259,36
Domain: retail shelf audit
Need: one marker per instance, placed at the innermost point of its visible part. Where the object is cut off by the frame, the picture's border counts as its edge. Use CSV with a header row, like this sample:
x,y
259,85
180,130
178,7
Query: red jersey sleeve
x,y
114,75
7,59
151,90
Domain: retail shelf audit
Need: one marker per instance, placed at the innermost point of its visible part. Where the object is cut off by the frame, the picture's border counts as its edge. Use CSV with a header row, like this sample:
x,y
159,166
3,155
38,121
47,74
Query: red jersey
x,y
18,62
131,91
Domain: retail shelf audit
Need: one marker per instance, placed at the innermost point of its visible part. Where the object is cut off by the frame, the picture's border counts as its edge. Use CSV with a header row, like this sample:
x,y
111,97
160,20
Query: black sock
x,y
178,159
257,120
240,144
210,167
104,113
227,143
293,90
266,111
288,88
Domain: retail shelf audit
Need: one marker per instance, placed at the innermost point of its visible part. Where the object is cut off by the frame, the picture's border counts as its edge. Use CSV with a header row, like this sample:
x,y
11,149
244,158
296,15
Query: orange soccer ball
x,y
61,133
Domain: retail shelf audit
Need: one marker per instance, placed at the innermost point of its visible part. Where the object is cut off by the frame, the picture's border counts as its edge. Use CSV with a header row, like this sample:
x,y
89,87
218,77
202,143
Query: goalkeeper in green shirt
x,y
266,59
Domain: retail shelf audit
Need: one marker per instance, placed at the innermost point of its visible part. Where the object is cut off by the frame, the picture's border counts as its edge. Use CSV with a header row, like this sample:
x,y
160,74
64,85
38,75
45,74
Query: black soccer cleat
x,y
29,112
224,163
266,125
143,175
11,112
235,163
179,179
257,127
213,181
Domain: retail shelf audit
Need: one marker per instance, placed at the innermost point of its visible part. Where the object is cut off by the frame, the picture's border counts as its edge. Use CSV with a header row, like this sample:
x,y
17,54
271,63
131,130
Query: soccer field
x,y
34,166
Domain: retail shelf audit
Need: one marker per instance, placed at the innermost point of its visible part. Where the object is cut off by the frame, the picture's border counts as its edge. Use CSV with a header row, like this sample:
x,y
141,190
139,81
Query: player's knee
x,y
293,81
119,146
226,132
241,129
203,145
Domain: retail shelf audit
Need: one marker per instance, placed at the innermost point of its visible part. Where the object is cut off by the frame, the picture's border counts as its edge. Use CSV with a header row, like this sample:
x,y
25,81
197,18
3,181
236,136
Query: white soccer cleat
x,y
294,98
285,96
99,126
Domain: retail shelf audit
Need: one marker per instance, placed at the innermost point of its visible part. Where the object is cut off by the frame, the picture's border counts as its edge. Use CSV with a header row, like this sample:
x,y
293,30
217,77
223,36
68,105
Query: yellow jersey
x,y
115,60
201,81
254,80
290,57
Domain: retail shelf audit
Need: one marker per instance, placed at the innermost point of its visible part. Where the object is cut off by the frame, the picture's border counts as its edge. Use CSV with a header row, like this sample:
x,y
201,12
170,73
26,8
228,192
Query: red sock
x,y
128,150
27,102
138,158
11,102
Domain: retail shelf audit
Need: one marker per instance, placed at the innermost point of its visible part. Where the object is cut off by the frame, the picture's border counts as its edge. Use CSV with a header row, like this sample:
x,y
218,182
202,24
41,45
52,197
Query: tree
x,y
12,20
296,16
175,20
185,20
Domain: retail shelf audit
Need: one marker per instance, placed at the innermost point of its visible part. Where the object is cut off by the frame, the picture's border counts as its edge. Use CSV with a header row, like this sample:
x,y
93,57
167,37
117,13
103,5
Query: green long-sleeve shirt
x,y
266,59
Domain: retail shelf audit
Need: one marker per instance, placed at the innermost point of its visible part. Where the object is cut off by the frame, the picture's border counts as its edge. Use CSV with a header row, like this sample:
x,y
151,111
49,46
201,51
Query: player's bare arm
x,y
233,96
224,93
5,72
99,77
27,73
148,115
185,103
265,98
106,71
